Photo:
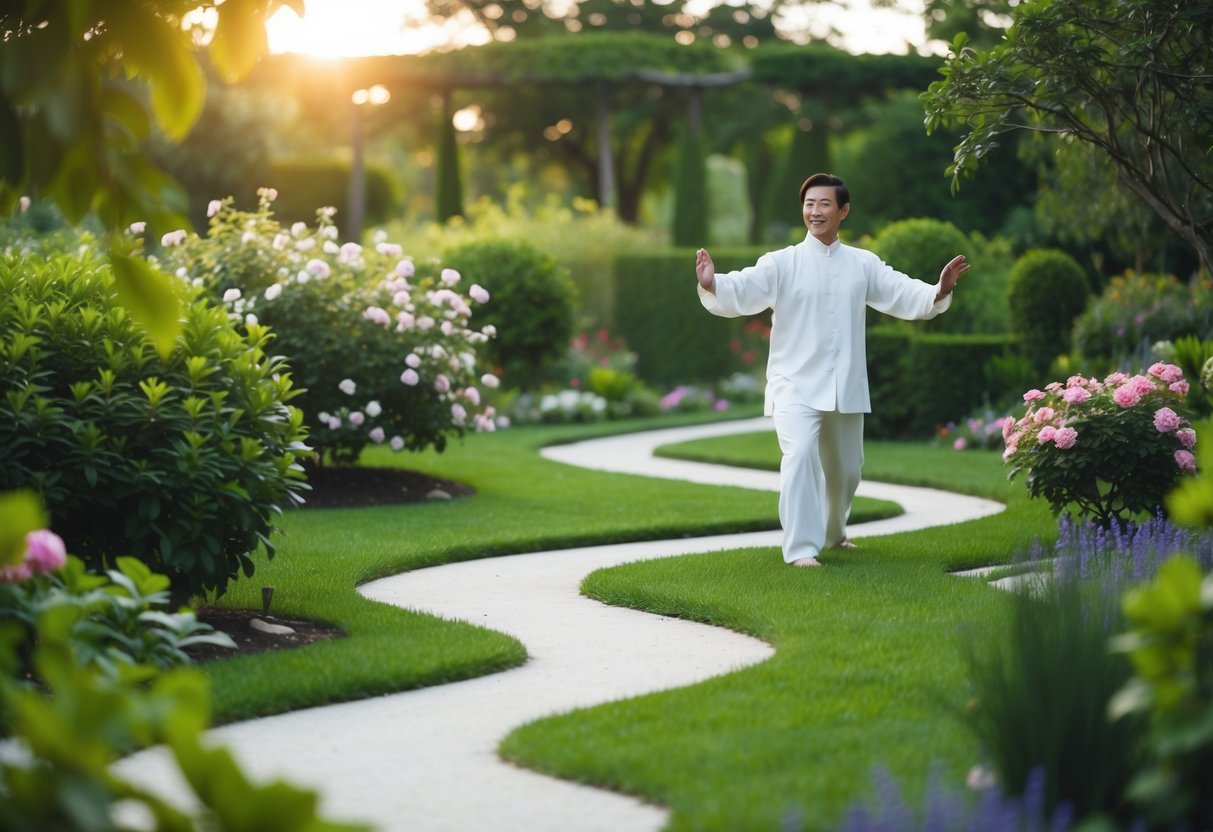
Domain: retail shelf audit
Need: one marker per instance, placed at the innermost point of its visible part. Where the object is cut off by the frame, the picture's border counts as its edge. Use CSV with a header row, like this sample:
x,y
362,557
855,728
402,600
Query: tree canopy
x,y
1133,78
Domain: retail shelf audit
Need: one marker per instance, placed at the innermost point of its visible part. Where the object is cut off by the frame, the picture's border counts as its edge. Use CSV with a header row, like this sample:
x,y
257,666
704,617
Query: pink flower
x,y
17,572
405,269
137,228
318,268
1045,414
377,435
214,207
458,413
410,377
472,395
1076,381
377,315
389,249
1047,434
1033,395
1065,438
442,384
44,551
1166,420
413,360
347,386
425,322
349,252
357,418
1180,387
489,380
1115,378
1169,373
478,293
1052,386
397,443
1126,396
960,444
1185,460
1186,437
1075,395
1144,385
449,277
173,238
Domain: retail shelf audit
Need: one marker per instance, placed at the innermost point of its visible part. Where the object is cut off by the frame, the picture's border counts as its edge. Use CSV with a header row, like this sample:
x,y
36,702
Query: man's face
x,y
822,214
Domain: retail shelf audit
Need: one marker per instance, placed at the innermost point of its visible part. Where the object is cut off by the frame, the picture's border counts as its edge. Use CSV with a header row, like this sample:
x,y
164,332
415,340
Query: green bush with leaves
x,y
181,462
1047,291
381,347
533,309
1136,311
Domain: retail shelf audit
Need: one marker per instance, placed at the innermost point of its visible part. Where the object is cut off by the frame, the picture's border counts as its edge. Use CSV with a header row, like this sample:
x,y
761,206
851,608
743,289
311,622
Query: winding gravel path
x,y
426,760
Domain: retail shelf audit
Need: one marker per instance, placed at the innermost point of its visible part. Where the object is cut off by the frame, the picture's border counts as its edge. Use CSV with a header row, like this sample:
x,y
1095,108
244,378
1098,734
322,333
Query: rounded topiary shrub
x,y
181,462
921,248
533,308
1047,291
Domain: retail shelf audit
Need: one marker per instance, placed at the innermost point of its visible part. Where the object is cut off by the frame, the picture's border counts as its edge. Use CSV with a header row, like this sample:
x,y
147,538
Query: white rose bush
x,y
384,348
1110,449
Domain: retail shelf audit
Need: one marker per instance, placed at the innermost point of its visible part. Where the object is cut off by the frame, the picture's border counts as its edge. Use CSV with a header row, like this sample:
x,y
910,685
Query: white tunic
x,y
819,295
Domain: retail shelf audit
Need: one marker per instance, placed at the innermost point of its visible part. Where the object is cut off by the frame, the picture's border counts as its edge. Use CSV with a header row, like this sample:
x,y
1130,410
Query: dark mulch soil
x,y
331,488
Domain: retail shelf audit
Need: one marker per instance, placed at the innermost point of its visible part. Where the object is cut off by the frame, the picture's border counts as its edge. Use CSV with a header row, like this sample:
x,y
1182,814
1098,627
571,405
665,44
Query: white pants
x,y
820,470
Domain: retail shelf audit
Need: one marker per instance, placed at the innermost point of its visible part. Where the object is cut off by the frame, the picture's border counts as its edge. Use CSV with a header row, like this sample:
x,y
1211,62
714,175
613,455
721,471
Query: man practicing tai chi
x,y
817,372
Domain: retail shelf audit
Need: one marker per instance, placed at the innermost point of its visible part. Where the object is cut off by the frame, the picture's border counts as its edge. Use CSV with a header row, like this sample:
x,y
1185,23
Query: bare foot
x,y
845,543
806,562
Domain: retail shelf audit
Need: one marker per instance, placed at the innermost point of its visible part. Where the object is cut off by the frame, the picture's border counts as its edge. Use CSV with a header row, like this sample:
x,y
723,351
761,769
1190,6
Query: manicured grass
x,y
523,503
868,668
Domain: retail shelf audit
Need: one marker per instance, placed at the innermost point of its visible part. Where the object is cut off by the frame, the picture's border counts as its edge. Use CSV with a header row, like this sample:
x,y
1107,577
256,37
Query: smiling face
x,y
822,213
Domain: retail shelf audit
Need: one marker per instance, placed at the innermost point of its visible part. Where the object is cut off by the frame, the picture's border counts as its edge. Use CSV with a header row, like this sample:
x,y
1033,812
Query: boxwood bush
x,y
181,462
1048,291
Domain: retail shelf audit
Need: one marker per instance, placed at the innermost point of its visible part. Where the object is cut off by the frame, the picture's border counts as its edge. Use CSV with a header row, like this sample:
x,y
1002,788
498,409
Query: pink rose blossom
x,y
1075,395
1166,420
377,315
478,293
1115,378
413,360
1052,386
1186,437
1169,373
373,409
1143,385
397,443
425,322
1076,381
318,268
410,377
44,551
17,572
349,252
213,207
1047,434
449,277
405,321
347,386
1180,387
334,422
1045,414
405,269
1126,396
442,384
173,238
137,228
1065,438
389,249
1185,460
472,395
377,435
458,413
1033,395
960,444
401,298
491,381
357,418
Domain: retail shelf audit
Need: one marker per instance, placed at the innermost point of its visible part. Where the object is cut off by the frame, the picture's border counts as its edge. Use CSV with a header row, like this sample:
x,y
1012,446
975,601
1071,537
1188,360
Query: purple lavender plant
x,y
1123,553
953,810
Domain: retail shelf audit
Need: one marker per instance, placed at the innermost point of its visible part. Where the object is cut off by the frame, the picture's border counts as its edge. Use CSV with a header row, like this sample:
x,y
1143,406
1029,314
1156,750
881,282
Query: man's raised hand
x,y
705,270
950,274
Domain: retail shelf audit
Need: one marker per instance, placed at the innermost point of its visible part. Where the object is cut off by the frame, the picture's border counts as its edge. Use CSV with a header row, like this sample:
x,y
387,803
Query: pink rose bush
x,y
385,346
1108,449
45,552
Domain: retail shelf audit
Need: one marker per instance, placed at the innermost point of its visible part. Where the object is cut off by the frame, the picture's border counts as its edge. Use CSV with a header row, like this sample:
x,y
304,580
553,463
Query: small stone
x,y
272,629
438,494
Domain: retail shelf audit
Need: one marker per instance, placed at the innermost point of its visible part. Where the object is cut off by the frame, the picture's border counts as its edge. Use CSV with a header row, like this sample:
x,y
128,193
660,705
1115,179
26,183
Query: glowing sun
x,y
350,28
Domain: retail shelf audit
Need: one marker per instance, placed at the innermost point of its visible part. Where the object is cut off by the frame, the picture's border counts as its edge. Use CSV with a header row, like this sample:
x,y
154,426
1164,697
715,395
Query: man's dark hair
x,y
840,188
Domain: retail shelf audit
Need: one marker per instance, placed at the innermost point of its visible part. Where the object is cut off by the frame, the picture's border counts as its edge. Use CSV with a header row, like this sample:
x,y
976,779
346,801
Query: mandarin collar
x,y
817,247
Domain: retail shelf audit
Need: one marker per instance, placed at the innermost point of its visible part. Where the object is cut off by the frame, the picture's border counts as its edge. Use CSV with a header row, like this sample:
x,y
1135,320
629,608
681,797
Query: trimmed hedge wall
x,y
657,311
306,185
921,380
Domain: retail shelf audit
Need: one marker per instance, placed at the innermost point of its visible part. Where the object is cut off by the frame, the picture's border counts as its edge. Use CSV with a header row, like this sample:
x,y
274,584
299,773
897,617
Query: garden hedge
x,y
304,185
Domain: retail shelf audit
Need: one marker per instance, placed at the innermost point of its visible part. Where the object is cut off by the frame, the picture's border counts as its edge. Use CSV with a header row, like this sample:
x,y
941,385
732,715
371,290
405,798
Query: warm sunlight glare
x,y
349,28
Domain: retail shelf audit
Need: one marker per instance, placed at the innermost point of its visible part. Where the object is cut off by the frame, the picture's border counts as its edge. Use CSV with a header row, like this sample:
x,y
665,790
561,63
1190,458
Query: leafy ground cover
x,y
868,671
521,503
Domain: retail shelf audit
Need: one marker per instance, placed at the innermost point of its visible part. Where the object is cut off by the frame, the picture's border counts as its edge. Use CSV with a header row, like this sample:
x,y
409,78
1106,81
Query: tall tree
x,y
1133,78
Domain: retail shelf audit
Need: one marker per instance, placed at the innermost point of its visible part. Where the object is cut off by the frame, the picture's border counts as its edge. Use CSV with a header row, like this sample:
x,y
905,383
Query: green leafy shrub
x,y
1170,645
181,462
1110,449
1047,291
533,308
303,184
1136,310
75,724
381,347
1192,355
124,616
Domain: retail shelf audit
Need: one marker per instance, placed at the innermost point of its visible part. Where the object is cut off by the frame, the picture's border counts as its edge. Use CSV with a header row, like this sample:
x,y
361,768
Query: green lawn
x,y
867,668
523,503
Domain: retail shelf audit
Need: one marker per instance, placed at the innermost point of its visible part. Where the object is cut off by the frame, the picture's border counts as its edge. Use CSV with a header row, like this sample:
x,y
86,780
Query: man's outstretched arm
x,y
705,270
950,274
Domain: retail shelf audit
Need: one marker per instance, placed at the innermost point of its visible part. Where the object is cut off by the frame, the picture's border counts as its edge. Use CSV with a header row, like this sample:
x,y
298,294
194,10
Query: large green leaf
x,y
21,512
150,297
